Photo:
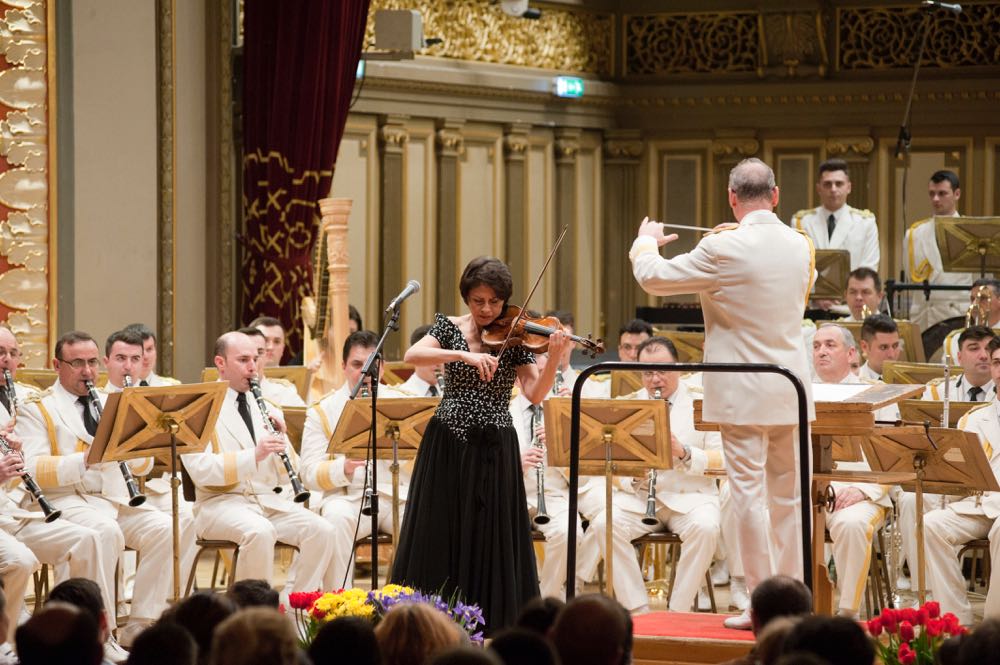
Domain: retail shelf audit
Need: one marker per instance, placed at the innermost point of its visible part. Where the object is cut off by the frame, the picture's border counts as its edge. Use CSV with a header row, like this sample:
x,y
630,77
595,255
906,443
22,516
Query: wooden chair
x,y
980,553
220,546
671,541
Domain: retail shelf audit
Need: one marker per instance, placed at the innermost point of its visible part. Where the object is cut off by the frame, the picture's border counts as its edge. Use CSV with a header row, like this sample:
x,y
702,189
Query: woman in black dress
x,y
466,525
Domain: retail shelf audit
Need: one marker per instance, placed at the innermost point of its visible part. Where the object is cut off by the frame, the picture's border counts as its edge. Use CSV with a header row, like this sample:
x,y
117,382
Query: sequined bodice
x,y
467,400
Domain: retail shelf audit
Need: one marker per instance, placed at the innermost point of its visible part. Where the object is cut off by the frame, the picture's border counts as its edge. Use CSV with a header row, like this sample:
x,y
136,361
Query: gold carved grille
x,y
889,37
563,40
673,44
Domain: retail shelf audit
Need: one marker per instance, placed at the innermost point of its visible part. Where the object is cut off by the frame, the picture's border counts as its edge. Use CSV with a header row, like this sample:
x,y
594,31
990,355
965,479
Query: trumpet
x,y
369,497
978,313
135,497
301,493
866,311
51,512
649,518
541,515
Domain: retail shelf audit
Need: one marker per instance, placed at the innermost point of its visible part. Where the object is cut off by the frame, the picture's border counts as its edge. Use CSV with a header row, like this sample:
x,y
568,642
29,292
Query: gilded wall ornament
x,y
672,44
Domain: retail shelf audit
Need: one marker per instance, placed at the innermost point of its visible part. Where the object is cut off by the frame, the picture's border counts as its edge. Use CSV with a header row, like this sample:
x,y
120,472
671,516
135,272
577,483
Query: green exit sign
x,y
569,86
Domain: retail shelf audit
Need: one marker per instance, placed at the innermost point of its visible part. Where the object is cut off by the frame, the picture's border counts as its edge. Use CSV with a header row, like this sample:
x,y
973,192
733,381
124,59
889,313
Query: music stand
x,y
944,460
625,383
295,422
895,371
832,268
690,345
161,422
919,411
618,438
400,425
968,244
297,375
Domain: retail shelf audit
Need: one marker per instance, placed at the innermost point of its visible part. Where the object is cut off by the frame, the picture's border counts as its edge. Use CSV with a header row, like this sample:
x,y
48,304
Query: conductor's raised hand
x,y
484,363
267,445
654,230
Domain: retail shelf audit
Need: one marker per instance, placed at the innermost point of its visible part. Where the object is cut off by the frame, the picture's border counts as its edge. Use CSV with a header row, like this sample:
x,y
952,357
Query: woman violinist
x,y
466,526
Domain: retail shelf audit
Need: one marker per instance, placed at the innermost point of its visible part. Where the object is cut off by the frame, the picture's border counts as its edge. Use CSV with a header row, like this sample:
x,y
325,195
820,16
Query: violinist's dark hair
x,y
487,271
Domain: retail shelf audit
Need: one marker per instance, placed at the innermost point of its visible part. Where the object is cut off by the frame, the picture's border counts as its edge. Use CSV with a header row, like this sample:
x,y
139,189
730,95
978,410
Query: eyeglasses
x,y
9,353
655,373
79,363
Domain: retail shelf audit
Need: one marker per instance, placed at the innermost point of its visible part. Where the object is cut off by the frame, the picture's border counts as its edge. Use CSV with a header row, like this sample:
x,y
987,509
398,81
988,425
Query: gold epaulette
x,y
869,382
936,381
965,417
515,391
920,222
281,382
28,388
696,391
864,213
721,228
400,390
632,395
600,378
797,218
38,396
170,381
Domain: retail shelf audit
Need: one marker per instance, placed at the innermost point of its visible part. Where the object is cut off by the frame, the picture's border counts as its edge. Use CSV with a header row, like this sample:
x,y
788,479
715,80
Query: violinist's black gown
x,y
466,524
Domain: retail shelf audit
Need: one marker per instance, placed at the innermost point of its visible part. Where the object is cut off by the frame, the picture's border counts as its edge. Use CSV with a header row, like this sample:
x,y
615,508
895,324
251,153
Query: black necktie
x,y
433,390
831,224
5,398
244,409
144,383
974,393
89,421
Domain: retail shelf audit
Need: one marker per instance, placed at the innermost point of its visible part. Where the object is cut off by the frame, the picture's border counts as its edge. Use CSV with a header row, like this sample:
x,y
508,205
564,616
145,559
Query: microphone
x,y
950,6
411,287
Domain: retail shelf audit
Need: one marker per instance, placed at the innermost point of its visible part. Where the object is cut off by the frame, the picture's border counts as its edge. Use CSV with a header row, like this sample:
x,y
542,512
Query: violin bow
x,y
538,281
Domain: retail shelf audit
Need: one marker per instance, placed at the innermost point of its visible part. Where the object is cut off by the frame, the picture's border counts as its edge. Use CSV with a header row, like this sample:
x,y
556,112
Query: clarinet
x,y
51,513
650,517
369,496
541,515
135,497
301,493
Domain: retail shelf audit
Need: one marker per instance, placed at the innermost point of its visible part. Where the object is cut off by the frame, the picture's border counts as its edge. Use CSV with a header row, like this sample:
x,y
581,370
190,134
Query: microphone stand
x,y
371,369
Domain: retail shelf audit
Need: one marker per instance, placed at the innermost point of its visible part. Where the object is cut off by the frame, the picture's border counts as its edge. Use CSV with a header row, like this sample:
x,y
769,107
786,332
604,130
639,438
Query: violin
x,y
514,328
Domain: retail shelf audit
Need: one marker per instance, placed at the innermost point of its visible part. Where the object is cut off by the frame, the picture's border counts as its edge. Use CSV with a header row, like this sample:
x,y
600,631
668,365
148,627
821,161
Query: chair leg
x,y
232,574
711,591
675,549
194,569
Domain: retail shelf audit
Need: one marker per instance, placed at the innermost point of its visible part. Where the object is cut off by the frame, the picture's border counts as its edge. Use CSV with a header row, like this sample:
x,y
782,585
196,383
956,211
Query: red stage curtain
x,y
300,60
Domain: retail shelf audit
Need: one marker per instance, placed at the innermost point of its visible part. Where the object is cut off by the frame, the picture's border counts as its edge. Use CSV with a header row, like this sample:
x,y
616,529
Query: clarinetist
x,y
236,477
58,427
687,501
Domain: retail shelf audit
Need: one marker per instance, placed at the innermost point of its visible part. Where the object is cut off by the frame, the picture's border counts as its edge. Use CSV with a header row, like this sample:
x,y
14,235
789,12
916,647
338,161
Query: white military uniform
x,y
236,501
154,380
855,230
951,341
25,540
866,373
280,392
964,519
417,387
852,528
341,497
56,443
687,504
552,577
923,262
959,391
753,282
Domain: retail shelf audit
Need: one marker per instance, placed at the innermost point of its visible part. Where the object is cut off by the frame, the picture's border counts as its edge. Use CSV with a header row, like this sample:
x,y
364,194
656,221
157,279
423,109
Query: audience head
x,y
538,614
778,596
834,184
751,187
631,335
974,356
255,636
864,287
518,646
274,339
944,191
658,350
880,341
85,595
834,353
199,614
801,658
347,640
410,633
357,347
163,643
59,634
981,645
76,361
837,640
593,630
253,593
464,656
771,639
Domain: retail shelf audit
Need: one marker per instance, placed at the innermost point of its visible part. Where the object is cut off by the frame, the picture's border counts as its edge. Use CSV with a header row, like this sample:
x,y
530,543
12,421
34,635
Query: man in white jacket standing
x,y
753,279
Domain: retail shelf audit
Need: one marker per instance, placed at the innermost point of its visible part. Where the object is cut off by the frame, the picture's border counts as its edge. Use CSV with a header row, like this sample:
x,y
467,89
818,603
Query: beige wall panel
x,y
587,240
480,208
356,177
190,354
418,187
991,195
540,233
114,88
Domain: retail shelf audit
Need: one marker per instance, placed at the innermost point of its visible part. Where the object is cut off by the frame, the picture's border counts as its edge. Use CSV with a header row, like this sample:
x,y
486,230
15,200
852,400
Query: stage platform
x,y
663,638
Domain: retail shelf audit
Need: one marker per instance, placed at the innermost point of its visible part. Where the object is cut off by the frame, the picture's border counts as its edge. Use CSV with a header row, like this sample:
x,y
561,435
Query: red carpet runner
x,y
700,626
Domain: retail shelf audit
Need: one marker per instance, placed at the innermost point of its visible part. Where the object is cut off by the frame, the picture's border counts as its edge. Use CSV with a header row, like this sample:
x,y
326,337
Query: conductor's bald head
x,y
752,187
59,634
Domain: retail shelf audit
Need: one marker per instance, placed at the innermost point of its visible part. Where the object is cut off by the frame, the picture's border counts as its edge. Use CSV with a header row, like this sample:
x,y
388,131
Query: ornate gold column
x,y
333,224
393,136
567,145
622,151
450,145
515,147
166,163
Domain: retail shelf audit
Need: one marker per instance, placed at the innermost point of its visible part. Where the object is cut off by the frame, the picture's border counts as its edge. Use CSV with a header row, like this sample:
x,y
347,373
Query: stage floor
x,y
676,637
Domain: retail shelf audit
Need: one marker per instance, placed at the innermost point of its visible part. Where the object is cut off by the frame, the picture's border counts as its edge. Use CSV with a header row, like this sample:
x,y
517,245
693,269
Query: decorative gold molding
x,y
393,134
564,39
567,144
166,74
516,142
618,148
28,147
449,139
844,145
694,43
735,147
226,261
